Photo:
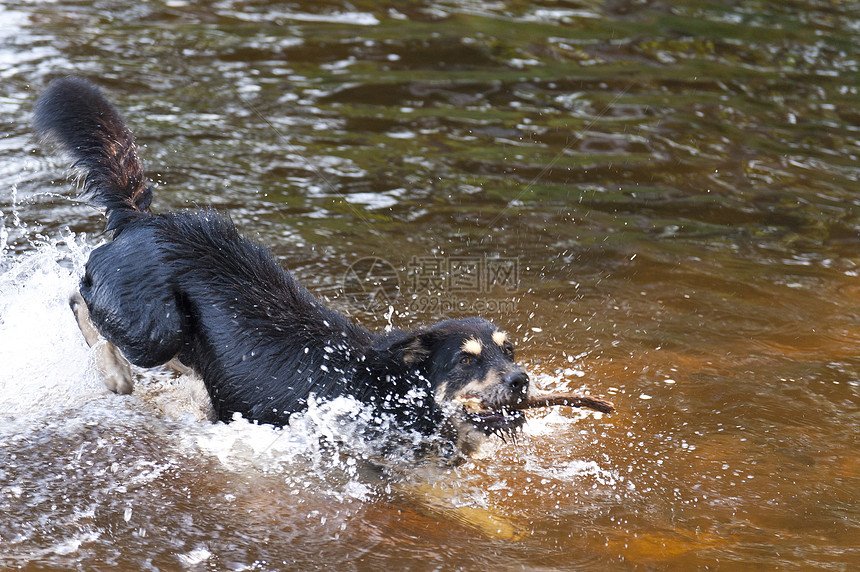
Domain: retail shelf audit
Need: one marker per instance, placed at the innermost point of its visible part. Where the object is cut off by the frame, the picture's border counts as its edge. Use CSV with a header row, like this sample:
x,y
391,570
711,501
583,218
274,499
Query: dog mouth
x,y
504,424
502,421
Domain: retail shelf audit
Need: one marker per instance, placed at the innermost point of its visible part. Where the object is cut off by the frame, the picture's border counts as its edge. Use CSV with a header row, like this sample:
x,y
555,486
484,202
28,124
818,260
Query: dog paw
x,y
114,368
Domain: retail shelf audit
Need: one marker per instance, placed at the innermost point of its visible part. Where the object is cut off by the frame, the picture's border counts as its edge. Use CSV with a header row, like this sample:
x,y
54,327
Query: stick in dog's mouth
x,y
507,420
474,405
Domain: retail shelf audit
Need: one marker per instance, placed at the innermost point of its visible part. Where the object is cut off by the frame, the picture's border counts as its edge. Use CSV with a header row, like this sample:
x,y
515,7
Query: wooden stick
x,y
567,399
473,403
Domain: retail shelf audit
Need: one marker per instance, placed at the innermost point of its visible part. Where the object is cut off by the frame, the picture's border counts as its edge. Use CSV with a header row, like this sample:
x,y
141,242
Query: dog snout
x,y
517,382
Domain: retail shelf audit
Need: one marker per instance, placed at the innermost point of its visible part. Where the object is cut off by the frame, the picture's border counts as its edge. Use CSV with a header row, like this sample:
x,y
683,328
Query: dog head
x,y
474,379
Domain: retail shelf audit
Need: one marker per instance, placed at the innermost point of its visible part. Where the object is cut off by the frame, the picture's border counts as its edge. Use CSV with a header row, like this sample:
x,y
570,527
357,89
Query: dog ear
x,y
415,350
405,348
415,347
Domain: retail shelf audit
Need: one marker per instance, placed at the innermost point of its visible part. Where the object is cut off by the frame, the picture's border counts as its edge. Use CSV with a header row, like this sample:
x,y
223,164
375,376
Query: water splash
x,y
45,360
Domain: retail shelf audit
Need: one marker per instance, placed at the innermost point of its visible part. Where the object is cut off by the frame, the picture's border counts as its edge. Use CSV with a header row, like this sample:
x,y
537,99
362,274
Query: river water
x,y
659,201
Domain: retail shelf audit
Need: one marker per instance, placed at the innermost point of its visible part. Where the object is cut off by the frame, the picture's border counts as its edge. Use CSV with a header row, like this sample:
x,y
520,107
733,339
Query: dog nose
x,y
517,382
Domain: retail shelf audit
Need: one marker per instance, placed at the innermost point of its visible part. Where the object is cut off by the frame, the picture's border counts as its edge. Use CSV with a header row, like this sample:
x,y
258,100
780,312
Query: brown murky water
x,y
658,200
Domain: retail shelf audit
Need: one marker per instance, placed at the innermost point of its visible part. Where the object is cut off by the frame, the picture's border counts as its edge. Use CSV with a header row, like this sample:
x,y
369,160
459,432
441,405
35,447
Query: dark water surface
x,y
658,200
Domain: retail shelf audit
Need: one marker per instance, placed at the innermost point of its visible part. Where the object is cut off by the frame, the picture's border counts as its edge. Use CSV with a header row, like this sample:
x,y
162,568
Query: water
x,y
662,198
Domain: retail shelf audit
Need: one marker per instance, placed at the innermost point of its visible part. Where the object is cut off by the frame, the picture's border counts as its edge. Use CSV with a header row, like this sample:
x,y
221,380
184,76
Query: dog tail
x,y
74,114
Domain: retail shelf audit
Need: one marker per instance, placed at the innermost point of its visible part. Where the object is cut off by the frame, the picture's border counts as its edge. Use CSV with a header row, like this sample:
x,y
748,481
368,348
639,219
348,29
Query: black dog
x,y
188,286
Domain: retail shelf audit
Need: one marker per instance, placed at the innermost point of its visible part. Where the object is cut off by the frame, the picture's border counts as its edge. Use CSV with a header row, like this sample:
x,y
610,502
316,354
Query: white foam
x,y
351,18
242,444
194,557
44,361
373,200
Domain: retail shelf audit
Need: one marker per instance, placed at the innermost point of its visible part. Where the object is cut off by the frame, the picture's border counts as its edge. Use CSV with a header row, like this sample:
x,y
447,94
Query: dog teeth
x,y
472,403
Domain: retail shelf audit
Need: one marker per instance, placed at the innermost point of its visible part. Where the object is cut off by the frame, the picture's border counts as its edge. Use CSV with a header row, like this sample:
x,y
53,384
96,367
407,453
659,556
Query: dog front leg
x,y
114,368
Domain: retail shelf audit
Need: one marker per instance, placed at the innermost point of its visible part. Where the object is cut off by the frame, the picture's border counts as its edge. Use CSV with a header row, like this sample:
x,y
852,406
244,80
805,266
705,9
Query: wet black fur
x,y
188,285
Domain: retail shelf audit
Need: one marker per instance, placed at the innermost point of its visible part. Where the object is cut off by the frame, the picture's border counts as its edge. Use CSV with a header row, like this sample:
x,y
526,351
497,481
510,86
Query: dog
x,y
186,288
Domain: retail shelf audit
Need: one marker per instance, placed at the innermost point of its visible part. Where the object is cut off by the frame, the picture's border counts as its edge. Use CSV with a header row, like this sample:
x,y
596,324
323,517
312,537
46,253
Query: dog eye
x,y
466,360
508,350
